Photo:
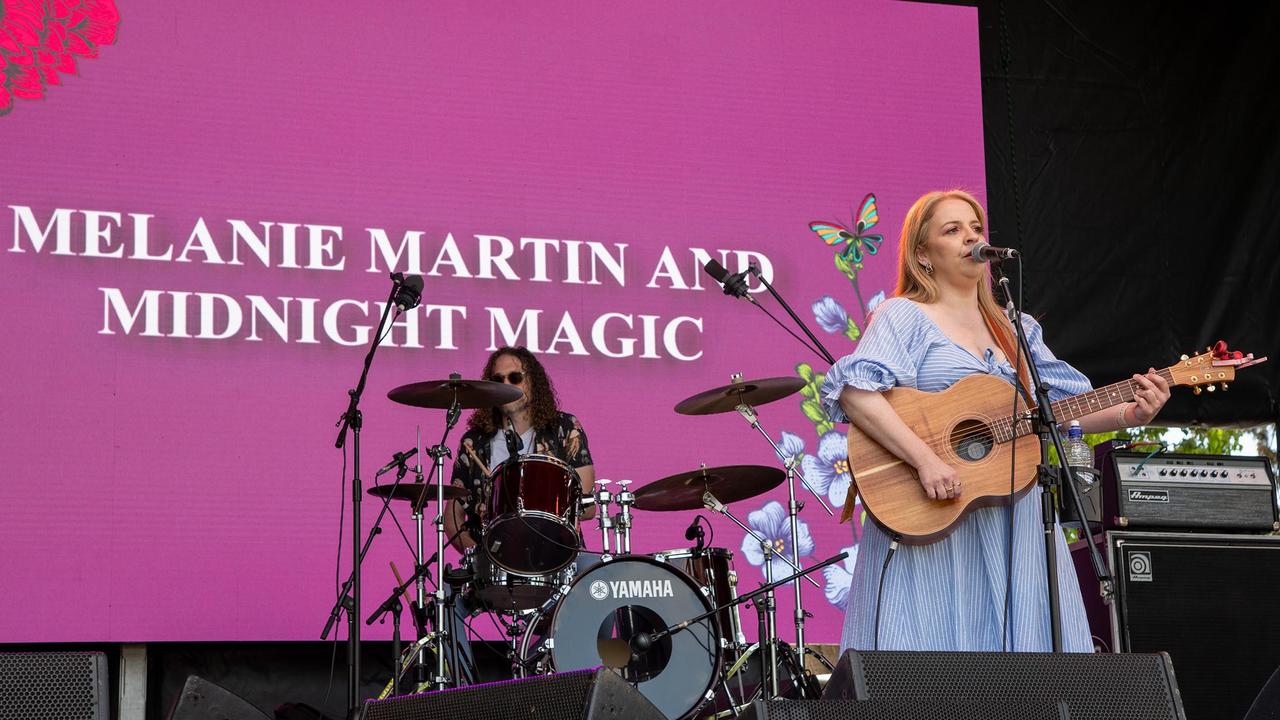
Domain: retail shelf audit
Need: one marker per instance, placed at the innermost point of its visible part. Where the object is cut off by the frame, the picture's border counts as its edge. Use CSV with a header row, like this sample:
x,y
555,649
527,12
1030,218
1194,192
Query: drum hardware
x,y
769,612
603,520
741,396
622,521
452,395
749,414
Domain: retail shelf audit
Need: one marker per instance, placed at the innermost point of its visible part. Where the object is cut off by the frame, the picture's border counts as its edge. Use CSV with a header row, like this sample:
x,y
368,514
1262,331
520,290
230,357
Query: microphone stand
x,y
1048,477
352,419
641,642
822,350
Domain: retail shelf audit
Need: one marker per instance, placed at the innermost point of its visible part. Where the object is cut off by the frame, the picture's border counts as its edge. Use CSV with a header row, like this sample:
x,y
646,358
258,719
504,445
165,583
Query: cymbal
x,y
728,397
414,491
729,484
470,393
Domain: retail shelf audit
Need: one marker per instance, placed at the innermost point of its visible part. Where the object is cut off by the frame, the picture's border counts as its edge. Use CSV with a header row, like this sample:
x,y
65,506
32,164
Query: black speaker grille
x,y
564,696
1095,687
53,686
907,710
1207,601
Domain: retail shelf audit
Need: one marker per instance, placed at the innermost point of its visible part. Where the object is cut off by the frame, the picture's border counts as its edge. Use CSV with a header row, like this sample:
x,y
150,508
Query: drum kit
x,y
668,622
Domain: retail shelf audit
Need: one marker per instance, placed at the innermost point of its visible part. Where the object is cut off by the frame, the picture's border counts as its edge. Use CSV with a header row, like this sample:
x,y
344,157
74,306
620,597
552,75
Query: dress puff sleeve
x,y
1063,379
887,356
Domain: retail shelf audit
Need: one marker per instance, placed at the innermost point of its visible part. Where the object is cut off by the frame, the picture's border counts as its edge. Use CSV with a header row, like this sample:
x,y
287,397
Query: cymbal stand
x,y
603,498
438,453
749,414
420,670
770,601
622,521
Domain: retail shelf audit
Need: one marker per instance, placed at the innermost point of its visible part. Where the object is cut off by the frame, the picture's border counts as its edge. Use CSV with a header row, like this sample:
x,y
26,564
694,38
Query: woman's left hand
x,y
1151,396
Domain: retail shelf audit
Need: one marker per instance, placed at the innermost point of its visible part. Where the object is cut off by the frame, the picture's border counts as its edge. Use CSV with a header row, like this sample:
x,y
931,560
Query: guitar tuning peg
x,y
1184,357
1224,387
1196,390
1212,387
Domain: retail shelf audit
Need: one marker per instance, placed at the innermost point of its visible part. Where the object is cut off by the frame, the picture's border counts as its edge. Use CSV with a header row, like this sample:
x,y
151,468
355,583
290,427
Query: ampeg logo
x,y
1139,566
1155,496
599,590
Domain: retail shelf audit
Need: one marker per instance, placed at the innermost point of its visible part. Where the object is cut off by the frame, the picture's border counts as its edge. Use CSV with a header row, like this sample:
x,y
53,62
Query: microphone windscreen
x,y
716,270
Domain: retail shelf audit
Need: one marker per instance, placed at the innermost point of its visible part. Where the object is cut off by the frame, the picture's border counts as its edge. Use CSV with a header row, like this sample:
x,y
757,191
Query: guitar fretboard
x,y
1076,406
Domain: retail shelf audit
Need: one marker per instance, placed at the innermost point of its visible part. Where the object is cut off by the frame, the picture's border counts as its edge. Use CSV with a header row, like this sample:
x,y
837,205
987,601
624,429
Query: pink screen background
x,y
162,488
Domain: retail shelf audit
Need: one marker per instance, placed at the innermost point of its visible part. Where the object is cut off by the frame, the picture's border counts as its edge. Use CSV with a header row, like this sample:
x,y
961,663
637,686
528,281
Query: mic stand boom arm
x,y
821,350
652,637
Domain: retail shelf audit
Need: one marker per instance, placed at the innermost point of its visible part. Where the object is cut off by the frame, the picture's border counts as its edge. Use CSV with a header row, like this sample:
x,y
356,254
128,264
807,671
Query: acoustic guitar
x,y
971,427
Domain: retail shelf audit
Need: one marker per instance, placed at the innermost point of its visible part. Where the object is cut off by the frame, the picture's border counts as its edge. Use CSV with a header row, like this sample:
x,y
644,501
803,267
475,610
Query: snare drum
x,y
500,591
712,568
532,512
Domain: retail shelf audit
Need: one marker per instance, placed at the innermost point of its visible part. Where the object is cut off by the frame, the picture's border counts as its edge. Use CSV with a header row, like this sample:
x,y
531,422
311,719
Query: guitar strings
x,y
996,430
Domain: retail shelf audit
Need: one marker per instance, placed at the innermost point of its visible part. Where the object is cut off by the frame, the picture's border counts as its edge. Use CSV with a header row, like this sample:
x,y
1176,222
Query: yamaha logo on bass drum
x,y
631,589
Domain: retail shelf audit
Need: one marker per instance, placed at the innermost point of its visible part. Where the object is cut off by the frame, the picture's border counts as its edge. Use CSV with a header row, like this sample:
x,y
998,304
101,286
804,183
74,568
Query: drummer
x,y
535,419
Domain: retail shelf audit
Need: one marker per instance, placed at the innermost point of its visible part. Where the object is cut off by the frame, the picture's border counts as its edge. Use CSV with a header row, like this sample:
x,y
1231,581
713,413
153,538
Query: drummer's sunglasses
x,y
516,377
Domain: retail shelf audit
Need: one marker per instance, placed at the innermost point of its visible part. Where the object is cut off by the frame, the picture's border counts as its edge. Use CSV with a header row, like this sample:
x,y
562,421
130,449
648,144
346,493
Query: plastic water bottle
x,y
1080,462
1079,454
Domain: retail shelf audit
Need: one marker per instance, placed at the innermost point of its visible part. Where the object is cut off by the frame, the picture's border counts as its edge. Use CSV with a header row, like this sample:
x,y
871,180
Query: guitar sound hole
x,y
972,440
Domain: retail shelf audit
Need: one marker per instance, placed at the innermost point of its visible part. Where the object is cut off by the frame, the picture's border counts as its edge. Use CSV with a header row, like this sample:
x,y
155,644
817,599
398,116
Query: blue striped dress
x,y
950,595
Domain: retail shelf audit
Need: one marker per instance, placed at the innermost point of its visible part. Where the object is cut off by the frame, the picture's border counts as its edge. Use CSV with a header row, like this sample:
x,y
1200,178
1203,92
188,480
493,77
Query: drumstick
x,y
400,582
483,468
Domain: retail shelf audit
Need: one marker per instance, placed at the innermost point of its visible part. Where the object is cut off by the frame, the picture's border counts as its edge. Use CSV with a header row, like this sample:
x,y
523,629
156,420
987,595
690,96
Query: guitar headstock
x,y
1213,368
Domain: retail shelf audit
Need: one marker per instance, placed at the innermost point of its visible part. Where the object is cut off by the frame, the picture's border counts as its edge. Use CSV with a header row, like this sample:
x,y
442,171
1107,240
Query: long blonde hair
x,y
915,284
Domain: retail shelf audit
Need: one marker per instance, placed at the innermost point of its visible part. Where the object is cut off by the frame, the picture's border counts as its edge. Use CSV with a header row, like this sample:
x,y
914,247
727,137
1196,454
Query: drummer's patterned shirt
x,y
564,439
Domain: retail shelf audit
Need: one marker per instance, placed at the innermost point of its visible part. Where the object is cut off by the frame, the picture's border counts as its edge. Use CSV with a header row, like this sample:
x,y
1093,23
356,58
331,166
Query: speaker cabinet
x,y
907,710
54,686
576,695
1094,687
1208,601
203,700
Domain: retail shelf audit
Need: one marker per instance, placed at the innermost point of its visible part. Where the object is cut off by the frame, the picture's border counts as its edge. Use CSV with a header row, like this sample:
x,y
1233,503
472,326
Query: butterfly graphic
x,y
856,241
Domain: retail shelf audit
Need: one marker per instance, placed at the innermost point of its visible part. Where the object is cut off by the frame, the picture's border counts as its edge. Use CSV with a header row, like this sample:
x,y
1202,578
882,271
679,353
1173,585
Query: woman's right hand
x,y
940,480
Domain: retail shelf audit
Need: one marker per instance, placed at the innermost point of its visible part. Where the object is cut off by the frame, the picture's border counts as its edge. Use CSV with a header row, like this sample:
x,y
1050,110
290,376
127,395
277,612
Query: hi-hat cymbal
x,y
729,484
469,393
413,492
728,397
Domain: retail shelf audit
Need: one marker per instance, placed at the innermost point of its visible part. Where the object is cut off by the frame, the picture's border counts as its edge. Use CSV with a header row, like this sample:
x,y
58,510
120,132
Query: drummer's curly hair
x,y
544,405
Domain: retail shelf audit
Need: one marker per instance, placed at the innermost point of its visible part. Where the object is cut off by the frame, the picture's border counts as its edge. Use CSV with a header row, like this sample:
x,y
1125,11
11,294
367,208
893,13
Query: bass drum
x,y
611,603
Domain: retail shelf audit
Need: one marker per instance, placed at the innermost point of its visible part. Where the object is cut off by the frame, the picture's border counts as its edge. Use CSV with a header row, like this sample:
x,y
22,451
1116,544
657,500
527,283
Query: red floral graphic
x,y
41,38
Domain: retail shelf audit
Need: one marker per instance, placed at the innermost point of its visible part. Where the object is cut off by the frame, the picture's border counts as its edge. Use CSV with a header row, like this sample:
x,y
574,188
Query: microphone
x,y
983,252
514,443
735,284
396,460
410,292
695,532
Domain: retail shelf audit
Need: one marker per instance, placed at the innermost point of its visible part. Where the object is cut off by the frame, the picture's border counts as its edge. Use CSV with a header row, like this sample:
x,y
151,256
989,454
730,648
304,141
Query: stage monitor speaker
x,y
575,695
907,710
203,700
1094,687
54,686
1207,600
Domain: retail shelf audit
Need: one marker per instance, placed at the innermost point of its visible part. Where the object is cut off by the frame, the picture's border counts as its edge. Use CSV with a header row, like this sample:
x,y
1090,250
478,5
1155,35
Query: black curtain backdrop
x,y
1133,156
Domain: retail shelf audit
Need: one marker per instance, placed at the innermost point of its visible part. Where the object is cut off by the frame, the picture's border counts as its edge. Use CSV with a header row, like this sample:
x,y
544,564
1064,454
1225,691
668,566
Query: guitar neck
x,y
1078,406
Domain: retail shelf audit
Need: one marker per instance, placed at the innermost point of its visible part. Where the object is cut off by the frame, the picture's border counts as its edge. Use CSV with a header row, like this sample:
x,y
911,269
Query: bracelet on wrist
x,y
1123,417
